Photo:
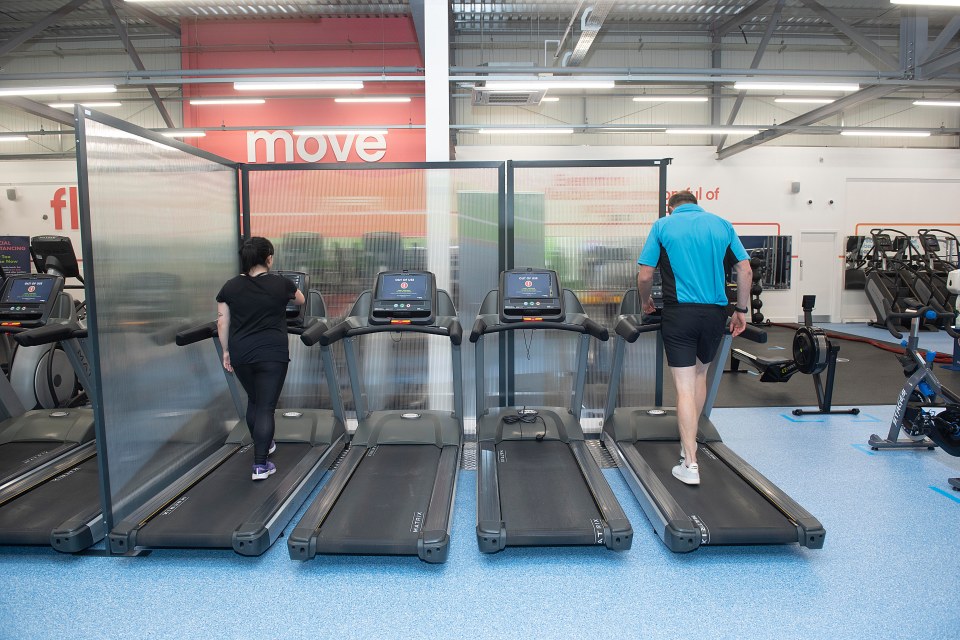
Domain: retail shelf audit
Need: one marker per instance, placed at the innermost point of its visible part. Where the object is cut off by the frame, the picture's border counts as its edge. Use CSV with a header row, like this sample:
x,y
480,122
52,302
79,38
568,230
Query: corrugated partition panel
x,y
344,225
160,240
588,223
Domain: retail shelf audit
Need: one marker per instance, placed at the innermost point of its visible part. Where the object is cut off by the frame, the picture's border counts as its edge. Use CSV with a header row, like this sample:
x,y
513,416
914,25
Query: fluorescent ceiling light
x,y
525,131
631,129
804,100
880,132
719,131
175,133
227,101
372,100
57,91
554,99
70,105
295,85
534,85
795,86
936,103
337,132
670,98
929,3
14,138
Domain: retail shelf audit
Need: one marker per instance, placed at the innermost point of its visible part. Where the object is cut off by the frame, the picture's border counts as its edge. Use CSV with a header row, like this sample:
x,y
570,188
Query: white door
x,y
819,274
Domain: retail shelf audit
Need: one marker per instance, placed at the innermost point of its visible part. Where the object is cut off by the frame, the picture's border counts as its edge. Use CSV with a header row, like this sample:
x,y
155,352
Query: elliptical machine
x,y
921,394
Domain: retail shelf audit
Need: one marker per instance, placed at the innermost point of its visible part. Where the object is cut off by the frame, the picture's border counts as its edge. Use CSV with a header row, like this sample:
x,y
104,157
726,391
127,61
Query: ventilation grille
x,y
485,97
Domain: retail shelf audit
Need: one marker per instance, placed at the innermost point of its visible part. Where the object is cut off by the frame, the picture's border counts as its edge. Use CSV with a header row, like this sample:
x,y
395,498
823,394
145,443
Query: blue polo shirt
x,y
690,246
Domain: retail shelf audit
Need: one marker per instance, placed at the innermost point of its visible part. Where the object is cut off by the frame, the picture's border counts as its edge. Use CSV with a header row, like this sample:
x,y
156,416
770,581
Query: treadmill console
x,y
404,297
297,312
529,294
54,254
27,299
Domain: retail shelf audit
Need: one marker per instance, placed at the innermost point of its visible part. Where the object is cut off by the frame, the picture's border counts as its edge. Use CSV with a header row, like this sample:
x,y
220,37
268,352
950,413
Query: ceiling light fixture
x,y
57,91
16,138
803,100
337,132
534,85
373,100
225,101
183,133
670,98
796,86
96,105
717,131
298,85
936,103
525,131
929,3
894,133
553,99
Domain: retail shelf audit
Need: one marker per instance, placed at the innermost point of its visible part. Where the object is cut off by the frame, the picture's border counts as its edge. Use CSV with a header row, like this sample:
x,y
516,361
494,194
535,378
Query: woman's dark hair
x,y
681,197
254,252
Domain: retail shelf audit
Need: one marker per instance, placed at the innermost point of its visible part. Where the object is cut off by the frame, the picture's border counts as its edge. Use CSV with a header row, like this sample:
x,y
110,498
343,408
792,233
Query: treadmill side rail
x,y
491,531
434,542
810,532
79,533
618,534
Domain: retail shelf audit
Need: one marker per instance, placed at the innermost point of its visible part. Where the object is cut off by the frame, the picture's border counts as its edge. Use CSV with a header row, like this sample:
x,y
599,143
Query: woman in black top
x,y
252,325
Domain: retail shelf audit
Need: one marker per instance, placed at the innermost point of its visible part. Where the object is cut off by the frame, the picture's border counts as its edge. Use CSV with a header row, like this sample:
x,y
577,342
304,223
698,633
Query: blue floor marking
x,y
865,448
944,492
866,417
792,418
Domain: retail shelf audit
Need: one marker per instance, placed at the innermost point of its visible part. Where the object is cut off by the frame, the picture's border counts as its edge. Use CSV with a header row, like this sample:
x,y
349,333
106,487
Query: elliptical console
x,y
27,300
404,297
530,295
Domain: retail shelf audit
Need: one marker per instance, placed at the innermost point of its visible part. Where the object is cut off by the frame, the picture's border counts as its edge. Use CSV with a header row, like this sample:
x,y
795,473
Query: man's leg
x,y
689,403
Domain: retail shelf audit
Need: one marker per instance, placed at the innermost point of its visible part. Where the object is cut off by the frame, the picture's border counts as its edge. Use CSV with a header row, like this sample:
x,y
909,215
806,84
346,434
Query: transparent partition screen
x,y
343,226
588,223
160,239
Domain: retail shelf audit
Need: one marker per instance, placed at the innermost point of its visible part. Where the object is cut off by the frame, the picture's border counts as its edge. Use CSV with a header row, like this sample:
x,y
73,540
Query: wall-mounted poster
x,y
14,254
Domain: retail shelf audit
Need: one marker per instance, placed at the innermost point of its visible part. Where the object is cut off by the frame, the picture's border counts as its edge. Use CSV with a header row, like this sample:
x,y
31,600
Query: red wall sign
x,y
323,43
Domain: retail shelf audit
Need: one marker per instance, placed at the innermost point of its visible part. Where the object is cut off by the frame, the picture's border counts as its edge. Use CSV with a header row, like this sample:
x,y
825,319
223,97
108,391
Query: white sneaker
x,y
687,475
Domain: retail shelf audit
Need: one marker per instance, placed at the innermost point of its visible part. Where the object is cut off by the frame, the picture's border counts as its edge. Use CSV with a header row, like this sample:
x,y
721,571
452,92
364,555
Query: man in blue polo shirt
x,y
690,247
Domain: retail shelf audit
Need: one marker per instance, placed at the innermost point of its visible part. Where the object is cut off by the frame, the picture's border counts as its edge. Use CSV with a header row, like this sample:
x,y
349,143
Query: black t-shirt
x,y
258,319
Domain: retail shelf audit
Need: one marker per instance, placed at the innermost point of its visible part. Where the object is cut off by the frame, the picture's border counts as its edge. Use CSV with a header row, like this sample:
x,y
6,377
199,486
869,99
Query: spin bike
x,y
922,395
813,354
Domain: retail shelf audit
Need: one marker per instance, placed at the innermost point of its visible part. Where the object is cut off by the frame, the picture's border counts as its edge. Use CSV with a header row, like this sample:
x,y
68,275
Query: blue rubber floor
x,y
929,340
890,568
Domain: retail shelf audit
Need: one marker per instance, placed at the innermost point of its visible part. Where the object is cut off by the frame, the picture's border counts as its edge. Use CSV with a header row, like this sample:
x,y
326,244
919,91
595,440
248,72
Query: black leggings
x,y
263,382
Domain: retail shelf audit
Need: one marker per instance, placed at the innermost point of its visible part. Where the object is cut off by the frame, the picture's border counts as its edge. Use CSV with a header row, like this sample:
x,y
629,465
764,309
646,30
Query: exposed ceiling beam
x,y
941,64
757,57
942,40
170,26
914,35
744,16
18,40
868,46
416,8
591,21
39,109
132,52
827,110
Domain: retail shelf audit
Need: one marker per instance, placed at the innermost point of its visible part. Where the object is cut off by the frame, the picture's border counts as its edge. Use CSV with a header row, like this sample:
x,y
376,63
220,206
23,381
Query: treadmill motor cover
x,y
403,297
529,295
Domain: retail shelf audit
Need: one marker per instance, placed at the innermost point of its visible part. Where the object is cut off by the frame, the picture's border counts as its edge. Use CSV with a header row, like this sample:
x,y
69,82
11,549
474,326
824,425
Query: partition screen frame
x,y
508,386
81,115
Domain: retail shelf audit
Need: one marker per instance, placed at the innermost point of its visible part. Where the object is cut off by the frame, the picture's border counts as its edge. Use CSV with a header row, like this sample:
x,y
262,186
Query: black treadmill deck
x,y
16,458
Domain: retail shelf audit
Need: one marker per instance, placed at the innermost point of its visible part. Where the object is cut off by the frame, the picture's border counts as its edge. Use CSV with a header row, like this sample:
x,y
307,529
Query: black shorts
x,y
692,332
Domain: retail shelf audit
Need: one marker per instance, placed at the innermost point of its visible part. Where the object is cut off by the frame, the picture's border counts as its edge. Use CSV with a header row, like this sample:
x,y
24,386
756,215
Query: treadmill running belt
x,y
729,510
19,457
209,512
542,491
384,505
32,517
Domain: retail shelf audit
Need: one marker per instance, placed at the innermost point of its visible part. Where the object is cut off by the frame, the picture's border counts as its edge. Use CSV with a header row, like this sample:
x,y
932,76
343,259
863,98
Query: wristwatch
x,y
740,309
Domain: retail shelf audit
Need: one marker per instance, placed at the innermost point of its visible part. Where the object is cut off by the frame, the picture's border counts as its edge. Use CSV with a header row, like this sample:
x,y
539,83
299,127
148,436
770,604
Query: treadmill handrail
x,y
196,334
629,327
575,322
48,334
310,335
447,326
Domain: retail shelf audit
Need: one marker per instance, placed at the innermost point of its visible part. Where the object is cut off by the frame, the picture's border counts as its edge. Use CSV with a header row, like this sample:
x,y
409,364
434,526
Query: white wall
x,y
921,186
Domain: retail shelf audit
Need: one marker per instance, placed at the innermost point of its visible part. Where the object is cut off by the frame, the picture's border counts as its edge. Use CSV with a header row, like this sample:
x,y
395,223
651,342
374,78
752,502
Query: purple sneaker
x,y
273,447
262,471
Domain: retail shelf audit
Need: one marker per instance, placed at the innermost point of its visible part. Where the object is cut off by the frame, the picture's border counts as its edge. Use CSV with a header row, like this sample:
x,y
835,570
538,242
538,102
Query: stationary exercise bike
x,y
813,353
922,395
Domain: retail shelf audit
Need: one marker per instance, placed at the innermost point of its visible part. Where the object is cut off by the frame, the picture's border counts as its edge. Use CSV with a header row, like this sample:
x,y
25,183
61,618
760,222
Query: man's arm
x,y
744,281
645,286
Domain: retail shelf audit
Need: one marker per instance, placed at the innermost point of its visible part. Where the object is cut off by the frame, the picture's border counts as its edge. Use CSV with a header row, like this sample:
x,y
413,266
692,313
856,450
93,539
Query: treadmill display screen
x,y
529,285
33,291
401,286
403,297
296,313
529,295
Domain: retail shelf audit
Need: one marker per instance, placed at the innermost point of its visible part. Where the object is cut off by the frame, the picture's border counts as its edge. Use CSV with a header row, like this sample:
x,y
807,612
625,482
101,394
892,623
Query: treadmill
x,y
538,484
393,492
57,502
215,504
735,504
